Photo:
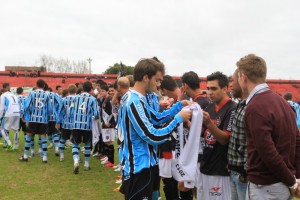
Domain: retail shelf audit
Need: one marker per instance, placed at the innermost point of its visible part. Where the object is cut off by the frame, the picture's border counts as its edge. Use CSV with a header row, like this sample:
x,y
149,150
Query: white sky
x,y
203,36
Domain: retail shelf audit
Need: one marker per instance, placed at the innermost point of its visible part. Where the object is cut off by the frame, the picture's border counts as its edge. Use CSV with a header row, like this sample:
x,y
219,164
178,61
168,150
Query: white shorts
x,y
108,134
215,188
11,123
199,182
165,168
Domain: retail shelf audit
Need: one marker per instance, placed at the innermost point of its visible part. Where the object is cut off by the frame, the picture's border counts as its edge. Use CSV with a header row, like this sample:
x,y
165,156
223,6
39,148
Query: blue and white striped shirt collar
x,y
258,89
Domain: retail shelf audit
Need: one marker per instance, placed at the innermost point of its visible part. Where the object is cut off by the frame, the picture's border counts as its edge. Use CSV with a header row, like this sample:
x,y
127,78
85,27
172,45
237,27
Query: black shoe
x,y
44,161
22,159
56,154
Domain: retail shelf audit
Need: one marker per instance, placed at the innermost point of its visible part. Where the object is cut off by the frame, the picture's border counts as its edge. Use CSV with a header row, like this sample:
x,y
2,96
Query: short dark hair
x,y
19,90
79,90
104,87
191,79
168,83
87,86
288,96
58,86
40,83
5,85
220,77
65,92
149,67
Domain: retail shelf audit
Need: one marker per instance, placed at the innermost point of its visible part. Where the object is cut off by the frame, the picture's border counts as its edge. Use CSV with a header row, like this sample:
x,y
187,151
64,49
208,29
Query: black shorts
x,y
37,128
22,125
66,133
140,185
52,128
79,136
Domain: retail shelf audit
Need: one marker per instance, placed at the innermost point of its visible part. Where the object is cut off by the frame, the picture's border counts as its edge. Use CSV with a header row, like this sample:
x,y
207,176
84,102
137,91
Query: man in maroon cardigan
x,y
273,140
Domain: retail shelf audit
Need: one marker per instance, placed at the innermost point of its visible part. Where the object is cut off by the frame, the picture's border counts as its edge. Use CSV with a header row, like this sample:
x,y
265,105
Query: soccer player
x,y
217,120
85,109
10,115
108,124
289,97
140,136
55,105
68,104
36,111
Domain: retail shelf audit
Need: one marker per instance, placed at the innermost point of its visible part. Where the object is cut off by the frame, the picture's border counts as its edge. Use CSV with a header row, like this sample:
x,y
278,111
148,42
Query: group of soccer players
x,y
148,127
58,117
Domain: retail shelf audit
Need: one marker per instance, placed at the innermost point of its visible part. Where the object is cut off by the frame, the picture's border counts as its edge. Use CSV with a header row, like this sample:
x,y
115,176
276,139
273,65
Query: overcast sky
x,y
203,36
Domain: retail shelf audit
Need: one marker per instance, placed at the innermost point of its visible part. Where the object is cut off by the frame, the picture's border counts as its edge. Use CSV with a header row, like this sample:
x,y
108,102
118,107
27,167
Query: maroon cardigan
x,y
272,140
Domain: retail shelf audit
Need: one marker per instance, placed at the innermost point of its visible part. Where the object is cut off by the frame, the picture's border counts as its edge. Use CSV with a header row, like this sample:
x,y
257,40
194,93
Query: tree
x,y
119,68
63,65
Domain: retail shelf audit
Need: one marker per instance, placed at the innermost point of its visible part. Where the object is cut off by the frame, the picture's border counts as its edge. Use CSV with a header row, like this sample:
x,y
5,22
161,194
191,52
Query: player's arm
x,y
95,107
222,136
145,129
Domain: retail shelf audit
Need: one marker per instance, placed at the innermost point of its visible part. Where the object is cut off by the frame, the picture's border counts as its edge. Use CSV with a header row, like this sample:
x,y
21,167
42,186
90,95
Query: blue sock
x,y
32,144
44,146
87,151
155,195
56,138
27,145
62,144
75,151
50,138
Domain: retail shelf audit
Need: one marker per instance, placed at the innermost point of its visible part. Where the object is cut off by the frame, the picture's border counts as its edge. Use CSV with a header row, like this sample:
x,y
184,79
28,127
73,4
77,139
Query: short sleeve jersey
x,y
214,159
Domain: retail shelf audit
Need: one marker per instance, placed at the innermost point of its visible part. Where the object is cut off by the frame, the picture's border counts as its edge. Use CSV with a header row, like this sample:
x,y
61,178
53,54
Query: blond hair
x,y
254,67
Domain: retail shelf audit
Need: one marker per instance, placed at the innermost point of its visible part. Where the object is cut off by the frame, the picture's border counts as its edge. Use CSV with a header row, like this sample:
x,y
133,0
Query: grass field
x,y
54,180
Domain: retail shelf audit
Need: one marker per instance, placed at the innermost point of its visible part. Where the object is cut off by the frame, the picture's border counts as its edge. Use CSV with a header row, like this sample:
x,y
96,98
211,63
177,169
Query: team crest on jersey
x,y
209,138
215,191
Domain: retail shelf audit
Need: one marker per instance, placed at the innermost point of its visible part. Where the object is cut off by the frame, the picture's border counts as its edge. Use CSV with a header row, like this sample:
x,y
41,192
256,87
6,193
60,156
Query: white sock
x,y
86,163
62,155
5,136
40,150
25,156
44,158
32,151
76,161
56,149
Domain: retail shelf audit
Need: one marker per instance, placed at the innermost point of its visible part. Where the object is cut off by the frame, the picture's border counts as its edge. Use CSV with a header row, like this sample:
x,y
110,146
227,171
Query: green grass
x,y
54,180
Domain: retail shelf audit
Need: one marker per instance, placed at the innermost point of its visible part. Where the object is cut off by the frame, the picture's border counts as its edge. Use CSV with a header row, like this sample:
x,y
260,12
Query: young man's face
x,y
215,92
59,90
103,92
171,94
154,82
111,91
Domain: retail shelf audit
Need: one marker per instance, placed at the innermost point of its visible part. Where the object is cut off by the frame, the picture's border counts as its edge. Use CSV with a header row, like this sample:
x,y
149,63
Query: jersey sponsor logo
x,y
215,191
209,138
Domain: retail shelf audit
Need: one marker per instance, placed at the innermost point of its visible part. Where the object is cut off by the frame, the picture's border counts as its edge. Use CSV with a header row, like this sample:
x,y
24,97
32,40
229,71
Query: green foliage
x,y
126,70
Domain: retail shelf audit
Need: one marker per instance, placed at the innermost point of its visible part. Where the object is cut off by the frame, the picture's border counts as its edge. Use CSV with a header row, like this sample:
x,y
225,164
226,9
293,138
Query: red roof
x,y
53,79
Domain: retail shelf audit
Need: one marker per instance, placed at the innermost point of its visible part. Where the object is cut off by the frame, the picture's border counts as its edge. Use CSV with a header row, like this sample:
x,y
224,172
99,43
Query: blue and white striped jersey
x,y
66,117
55,104
36,107
136,122
22,99
153,100
86,108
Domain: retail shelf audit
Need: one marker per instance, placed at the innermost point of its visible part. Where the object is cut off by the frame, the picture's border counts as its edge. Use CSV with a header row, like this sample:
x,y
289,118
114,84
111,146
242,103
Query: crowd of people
x,y
207,145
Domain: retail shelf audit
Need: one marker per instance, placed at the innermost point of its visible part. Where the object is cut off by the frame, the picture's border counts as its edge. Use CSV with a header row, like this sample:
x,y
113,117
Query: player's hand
x,y
186,103
107,125
185,114
206,118
27,124
181,187
57,126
